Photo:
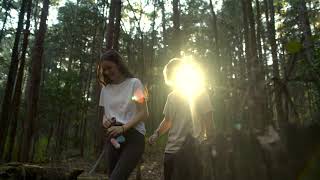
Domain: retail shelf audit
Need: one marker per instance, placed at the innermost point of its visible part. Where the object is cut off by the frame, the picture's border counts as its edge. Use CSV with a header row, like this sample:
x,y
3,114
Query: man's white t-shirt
x,y
118,101
185,118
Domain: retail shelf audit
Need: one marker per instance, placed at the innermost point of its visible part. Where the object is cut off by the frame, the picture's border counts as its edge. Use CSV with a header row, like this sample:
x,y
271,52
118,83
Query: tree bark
x,y
257,104
246,35
163,19
215,29
87,92
247,56
58,145
259,30
117,28
308,44
275,62
110,32
306,29
37,58
17,90
176,28
216,46
97,88
36,15
7,100
49,139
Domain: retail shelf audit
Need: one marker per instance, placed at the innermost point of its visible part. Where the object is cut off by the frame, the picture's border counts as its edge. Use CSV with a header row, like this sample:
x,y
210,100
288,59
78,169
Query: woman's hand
x,y
114,131
153,138
106,122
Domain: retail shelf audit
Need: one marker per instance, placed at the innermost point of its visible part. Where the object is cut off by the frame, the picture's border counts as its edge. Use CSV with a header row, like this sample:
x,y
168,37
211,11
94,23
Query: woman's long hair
x,y
115,57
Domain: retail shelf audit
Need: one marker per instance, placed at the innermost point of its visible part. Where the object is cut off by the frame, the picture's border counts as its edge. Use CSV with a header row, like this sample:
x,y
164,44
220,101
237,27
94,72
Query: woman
x,y
122,98
185,122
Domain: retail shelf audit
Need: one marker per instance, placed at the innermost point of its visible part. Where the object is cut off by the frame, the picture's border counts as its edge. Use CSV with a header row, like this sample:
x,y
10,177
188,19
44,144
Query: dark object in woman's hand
x,y
106,122
114,131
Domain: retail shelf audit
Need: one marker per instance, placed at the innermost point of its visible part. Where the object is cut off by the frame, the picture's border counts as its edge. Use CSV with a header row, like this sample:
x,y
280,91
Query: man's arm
x,y
164,127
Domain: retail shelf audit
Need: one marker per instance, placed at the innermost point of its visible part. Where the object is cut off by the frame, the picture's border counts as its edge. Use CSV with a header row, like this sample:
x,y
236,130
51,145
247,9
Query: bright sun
x,y
189,79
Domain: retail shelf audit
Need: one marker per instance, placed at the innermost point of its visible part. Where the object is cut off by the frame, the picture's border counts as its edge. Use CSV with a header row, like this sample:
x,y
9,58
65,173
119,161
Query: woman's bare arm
x,y
141,115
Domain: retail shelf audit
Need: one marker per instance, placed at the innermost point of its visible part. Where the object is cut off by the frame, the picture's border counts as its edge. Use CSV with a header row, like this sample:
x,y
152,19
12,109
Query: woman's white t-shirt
x,y
118,101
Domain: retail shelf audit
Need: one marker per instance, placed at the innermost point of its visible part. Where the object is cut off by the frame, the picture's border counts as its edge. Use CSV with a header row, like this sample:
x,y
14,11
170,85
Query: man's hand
x,y
153,138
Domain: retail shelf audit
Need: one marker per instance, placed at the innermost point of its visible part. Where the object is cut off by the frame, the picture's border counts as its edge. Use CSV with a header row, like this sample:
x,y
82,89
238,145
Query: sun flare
x,y
189,79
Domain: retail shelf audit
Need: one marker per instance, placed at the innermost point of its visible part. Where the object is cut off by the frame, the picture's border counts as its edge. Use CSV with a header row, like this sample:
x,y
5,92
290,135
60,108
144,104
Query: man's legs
x,y
168,166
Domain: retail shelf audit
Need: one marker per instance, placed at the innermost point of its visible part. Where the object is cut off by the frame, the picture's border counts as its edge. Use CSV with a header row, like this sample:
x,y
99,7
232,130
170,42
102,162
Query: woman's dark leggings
x,y
122,161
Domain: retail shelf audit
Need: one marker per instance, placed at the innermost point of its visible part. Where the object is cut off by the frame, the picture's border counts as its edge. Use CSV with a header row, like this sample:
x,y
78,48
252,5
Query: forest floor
x,y
151,168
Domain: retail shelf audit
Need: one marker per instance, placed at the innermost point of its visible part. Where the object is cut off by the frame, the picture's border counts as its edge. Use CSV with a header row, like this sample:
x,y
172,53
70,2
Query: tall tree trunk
x,y
142,72
87,91
304,23
83,127
261,117
308,44
246,35
153,40
215,29
35,25
58,139
36,15
257,105
241,59
259,30
275,62
247,54
33,144
49,139
152,65
97,88
82,136
7,100
176,28
117,25
265,40
163,24
110,32
37,58
215,42
17,90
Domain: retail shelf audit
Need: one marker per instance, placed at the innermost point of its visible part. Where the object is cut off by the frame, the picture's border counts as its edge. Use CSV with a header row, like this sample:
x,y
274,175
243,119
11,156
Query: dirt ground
x,y
151,167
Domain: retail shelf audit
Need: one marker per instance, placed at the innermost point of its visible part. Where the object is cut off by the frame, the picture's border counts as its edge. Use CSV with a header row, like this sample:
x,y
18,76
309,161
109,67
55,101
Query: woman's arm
x,y
142,114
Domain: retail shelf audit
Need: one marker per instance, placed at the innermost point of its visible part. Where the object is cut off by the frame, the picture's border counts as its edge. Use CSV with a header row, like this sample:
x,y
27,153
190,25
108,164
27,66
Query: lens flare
x,y
138,96
189,79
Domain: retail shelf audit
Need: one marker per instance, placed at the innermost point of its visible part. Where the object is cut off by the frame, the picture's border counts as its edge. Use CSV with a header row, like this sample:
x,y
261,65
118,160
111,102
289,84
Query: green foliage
x,y
40,150
293,46
71,46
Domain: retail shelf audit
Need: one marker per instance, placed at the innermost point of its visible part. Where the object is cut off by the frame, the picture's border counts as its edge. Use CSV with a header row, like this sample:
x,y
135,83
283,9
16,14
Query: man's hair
x,y
169,69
